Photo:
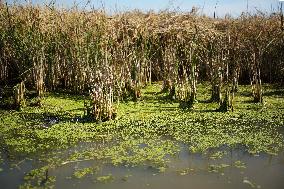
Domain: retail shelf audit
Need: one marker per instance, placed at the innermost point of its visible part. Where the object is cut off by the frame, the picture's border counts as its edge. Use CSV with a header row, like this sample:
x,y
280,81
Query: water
x,y
185,171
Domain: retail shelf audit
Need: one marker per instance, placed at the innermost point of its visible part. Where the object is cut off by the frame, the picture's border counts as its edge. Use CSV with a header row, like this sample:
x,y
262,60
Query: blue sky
x,y
233,7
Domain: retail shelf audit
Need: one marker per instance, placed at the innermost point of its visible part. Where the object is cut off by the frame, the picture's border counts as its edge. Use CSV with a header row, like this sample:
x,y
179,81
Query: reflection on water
x,y
185,171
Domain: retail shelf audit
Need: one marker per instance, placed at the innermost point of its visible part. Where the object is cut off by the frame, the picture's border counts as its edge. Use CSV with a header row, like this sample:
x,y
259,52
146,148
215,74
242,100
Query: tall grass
x,y
113,57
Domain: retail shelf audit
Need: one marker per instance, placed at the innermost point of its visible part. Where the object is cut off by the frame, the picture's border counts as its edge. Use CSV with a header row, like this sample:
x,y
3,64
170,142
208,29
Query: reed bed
x,y
113,57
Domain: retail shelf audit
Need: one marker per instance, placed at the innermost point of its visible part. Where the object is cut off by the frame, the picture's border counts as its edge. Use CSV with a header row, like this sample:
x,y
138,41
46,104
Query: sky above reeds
x,y
208,7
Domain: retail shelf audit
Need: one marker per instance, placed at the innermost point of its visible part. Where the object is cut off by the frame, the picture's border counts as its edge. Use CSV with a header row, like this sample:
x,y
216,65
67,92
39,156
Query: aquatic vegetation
x,y
145,133
162,169
185,171
106,178
38,178
218,155
240,164
217,168
83,172
126,177
132,152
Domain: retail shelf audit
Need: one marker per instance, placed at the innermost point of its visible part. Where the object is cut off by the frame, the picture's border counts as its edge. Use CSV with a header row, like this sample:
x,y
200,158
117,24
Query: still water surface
x,y
261,171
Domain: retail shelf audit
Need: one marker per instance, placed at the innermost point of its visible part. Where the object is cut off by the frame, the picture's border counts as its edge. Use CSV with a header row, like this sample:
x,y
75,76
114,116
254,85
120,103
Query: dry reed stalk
x,y
116,56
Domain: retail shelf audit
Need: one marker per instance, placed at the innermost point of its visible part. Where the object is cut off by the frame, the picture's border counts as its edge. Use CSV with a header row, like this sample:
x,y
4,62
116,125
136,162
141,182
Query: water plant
x,y
145,133
105,179
83,172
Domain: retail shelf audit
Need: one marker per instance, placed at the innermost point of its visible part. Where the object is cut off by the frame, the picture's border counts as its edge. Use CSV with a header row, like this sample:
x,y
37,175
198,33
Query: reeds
x,y
114,57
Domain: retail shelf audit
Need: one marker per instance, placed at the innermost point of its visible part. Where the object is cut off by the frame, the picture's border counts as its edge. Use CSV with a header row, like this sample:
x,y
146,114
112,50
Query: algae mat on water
x,y
146,133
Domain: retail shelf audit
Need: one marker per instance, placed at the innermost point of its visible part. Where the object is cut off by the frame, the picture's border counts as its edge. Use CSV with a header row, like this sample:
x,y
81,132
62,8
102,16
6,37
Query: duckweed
x,y
147,132
185,171
38,178
126,177
240,165
106,178
83,172
217,168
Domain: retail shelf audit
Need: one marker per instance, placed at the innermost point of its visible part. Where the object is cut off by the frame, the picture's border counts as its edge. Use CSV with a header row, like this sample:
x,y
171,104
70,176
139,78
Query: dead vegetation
x,y
114,57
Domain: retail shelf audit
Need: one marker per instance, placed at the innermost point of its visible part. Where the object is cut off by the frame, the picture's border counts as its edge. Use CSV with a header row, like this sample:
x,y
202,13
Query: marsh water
x,y
186,170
